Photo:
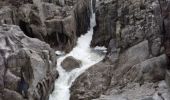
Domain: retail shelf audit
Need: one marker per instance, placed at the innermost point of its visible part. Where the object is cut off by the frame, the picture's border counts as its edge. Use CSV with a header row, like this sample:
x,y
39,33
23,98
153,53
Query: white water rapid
x,y
83,52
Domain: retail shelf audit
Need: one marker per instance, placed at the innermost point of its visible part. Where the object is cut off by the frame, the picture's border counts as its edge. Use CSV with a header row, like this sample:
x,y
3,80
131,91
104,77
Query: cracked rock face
x,y
28,66
136,34
57,22
92,82
128,22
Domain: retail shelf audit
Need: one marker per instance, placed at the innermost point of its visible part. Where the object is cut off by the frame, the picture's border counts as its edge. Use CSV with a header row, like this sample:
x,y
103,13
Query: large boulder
x,y
28,66
152,70
70,63
127,60
92,82
133,65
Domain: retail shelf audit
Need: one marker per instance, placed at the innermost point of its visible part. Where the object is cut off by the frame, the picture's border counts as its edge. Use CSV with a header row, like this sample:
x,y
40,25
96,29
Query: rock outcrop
x,y
28,66
134,33
135,91
92,83
57,22
105,23
127,22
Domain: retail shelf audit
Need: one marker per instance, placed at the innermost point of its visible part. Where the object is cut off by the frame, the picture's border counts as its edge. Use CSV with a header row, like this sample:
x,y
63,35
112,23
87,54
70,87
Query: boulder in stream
x,y
70,63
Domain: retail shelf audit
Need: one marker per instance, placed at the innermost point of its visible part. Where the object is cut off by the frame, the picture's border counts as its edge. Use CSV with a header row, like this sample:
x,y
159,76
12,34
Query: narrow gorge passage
x,y
88,56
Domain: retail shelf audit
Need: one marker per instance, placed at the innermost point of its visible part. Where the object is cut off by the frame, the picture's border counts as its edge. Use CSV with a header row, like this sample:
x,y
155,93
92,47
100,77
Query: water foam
x,y
83,52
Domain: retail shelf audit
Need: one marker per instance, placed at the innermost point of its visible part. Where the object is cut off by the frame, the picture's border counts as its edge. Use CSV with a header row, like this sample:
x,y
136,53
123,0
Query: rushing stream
x,y
83,52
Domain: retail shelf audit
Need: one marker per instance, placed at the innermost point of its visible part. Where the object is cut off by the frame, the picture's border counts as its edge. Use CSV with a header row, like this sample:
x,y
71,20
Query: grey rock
x,y
147,98
37,17
156,47
153,69
26,61
50,10
82,15
2,72
128,22
131,31
111,98
168,77
66,33
106,26
11,81
127,60
113,51
5,15
70,2
99,77
61,2
11,95
70,63
92,82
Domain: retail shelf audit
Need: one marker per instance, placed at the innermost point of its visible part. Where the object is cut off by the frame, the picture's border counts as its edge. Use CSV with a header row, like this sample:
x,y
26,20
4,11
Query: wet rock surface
x,y
70,63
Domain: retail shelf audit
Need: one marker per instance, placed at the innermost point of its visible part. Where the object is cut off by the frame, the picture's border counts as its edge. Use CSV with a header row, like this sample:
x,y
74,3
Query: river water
x,y
82,51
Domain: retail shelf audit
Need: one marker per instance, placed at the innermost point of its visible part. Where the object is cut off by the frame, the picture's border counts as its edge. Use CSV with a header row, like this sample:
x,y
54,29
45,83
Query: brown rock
x,y
70,63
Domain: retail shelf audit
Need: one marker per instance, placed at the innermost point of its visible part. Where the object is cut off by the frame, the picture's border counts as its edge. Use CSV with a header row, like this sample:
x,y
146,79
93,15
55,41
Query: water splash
x,y
82,52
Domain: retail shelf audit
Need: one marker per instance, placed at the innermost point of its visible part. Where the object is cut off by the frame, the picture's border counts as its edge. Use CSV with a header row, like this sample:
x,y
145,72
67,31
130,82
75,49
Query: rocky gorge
x,y
135,33
30,33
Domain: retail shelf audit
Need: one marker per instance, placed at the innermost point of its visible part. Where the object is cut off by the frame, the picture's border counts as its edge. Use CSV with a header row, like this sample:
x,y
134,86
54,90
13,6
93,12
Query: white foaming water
x,y
81,52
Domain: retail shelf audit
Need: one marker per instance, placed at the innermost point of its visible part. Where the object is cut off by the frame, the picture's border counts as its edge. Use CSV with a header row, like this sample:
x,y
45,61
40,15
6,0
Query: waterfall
x,y
81,51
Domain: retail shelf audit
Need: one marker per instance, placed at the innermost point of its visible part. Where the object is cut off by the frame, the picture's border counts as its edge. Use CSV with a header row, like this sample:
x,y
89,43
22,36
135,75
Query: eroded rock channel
x,y
56,50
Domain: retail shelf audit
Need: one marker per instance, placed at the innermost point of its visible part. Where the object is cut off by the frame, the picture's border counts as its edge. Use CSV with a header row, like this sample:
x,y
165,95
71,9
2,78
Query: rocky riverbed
x,y
135,32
